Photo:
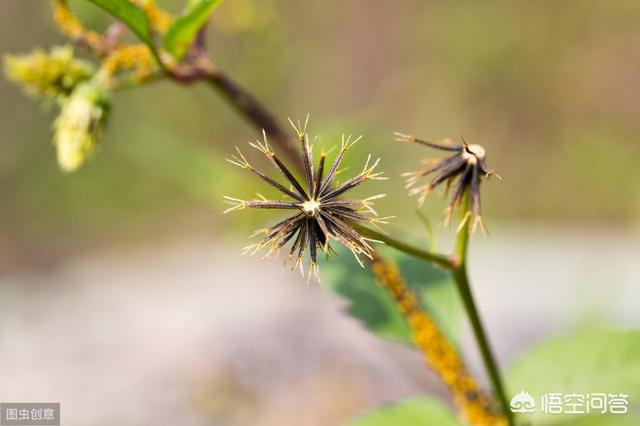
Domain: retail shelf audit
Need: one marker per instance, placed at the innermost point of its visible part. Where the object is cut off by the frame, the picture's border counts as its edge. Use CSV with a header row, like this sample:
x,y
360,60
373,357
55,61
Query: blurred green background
x,y
549,88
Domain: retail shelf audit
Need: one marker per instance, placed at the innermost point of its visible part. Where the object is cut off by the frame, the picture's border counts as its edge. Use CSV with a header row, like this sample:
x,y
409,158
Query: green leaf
x,y
374,307
185,28
602,420
413,412
369,302
588,362
129,14
191,4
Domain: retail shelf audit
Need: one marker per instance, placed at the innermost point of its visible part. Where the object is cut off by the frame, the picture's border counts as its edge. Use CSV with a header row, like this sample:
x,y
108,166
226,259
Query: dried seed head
x,y
318,213
466,167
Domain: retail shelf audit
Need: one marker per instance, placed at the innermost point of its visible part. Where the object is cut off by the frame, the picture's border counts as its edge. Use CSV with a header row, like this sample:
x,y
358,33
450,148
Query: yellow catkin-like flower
x,y
136,57
79,125
158,18
53,73
439,354
73,28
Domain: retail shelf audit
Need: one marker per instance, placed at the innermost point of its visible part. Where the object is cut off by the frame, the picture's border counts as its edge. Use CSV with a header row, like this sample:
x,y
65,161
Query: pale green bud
x,y
42,73
79,125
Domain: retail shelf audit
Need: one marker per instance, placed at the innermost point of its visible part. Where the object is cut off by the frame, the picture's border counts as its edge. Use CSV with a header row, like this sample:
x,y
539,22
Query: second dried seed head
x,y
464,170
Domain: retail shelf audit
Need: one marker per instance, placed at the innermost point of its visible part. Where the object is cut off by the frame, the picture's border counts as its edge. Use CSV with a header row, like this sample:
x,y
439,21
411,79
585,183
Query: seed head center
x,y
310,207
477,150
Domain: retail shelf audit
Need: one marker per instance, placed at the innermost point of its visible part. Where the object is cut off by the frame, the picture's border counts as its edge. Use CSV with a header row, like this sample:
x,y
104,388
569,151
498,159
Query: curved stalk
x,y
459,274
255,113
439,259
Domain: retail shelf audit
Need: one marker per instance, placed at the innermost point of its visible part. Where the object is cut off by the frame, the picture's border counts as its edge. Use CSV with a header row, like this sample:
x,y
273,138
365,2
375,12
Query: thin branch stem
x,y
255,113
439,259
461,277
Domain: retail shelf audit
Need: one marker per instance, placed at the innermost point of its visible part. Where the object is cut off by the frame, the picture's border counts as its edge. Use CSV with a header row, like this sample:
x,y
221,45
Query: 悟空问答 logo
x,y
523,403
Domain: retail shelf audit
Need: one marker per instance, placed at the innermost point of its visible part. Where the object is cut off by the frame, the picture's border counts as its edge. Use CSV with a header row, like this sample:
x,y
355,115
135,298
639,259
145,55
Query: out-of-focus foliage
x,y
131,15
590,362
602,421
369,302
412,412
586,363
53,74
67,80
184,29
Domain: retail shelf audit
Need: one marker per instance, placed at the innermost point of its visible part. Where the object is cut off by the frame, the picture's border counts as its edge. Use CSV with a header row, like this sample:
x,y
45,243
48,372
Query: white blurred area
x,y
191,333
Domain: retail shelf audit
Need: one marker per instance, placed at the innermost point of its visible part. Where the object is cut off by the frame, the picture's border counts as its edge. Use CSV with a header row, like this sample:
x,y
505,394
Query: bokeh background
x,y
122,291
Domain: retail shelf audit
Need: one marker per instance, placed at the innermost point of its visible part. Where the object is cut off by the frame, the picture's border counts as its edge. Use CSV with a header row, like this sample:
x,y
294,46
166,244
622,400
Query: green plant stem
x,y
441,260
459,274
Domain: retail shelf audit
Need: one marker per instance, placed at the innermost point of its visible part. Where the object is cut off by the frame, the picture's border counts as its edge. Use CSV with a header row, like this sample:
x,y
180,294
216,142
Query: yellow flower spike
x,y
79,125
439,354
73,28
159,19
43,73
132,56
